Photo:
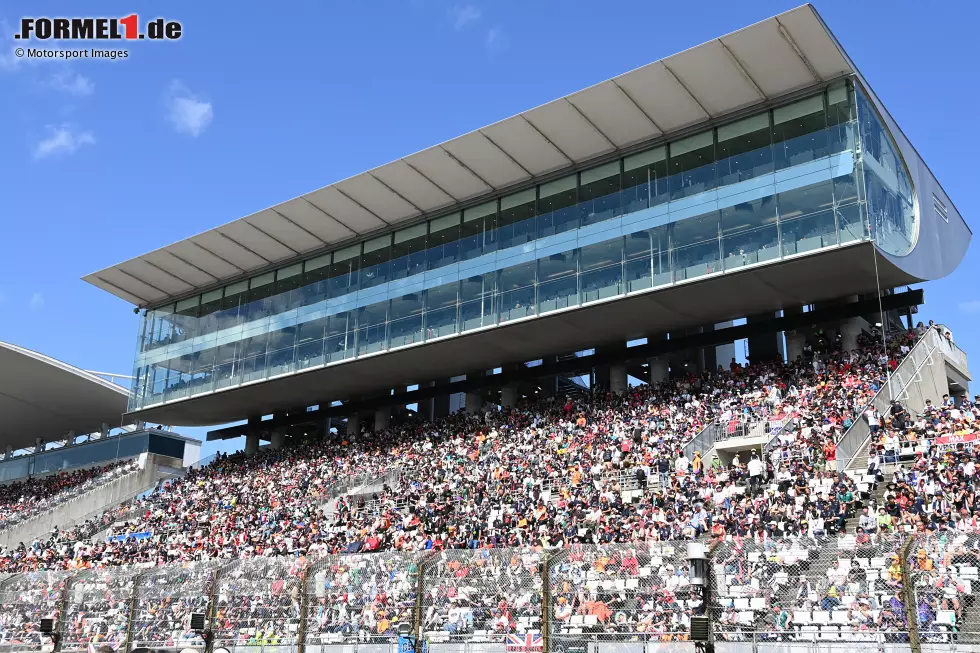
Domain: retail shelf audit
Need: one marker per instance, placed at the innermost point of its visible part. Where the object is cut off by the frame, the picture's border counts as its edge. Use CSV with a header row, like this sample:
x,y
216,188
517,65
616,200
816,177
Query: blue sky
x,y
260,102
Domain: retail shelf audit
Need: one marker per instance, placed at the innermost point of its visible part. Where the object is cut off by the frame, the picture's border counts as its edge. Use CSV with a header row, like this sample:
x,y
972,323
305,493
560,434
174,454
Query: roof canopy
x,y
754,65
41,397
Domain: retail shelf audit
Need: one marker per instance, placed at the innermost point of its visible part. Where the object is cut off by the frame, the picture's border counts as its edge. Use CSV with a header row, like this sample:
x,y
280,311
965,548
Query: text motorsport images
x,y
97,29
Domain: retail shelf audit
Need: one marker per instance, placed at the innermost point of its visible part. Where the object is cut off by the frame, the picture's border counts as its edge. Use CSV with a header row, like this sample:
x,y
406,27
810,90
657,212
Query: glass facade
x,y
785,182
890,199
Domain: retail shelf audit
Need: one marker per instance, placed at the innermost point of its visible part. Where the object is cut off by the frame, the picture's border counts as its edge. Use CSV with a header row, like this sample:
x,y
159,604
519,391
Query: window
x,y
749,233
799,132
315,286
695,246
443,241
343,275
210,305
232,303
477,231
645,180
375,261
185,318
841,115
408,252
599,193
557,206
516,221
744,150
287,295
692,168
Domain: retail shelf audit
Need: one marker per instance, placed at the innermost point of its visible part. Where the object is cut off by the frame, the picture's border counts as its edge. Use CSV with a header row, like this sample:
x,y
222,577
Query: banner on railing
x,y
129,536
526,643
957,439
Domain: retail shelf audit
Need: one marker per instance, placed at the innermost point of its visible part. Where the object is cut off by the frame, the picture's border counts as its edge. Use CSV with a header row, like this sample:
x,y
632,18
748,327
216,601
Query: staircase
x,y
921,375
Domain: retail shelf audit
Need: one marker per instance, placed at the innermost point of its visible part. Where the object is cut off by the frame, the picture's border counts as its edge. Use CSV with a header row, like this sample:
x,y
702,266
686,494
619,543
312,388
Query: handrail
x,y
859,433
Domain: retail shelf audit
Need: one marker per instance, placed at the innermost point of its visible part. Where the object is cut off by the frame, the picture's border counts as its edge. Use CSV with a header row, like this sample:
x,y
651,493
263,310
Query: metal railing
x,y
720,429
903,380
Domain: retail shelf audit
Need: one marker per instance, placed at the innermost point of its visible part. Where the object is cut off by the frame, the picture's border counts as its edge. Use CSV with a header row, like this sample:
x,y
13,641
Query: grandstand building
x,y
755,178
58,419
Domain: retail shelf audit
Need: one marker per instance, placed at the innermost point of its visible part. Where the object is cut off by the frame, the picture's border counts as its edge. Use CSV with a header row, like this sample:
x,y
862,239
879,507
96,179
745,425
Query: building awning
x,y
755,65
41,397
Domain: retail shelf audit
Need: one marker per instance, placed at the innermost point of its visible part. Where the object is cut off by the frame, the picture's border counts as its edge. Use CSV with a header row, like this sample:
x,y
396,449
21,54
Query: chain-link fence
x,y
482,595
364,598
258,603
166,597
98,607
788,593
621,592
25,600
810,589
943,570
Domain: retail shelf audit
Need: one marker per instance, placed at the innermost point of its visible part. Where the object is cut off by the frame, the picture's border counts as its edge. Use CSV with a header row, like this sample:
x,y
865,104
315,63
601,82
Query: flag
x,y
525,643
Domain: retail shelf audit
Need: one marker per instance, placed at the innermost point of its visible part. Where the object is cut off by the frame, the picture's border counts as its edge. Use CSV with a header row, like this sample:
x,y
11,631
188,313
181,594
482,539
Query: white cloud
x,y
972,306
496,39
188,113
464,15
63,139
72,83
36,302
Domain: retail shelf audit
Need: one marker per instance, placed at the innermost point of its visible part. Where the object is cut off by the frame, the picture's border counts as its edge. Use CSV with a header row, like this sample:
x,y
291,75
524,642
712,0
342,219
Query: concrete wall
x,y
95,501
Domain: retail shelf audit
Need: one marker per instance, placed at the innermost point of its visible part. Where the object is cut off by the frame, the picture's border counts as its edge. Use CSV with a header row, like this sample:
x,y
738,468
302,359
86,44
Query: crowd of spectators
x,y
559,474
21,500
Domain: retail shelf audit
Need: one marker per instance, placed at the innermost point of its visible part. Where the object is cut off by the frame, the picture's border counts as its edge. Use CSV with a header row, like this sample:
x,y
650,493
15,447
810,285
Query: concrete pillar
x,y
602,373
764,347
353,425
440,406
659,369
509,396
794,344
8,451
849,332
38,445
382,419
724,353
278,439
474,402
686,360
251,444
618,379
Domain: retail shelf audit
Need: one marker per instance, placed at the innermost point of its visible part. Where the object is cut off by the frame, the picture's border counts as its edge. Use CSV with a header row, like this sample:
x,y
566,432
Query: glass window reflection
x,y
443,241
516,219
408,252
645,180
799,133
692,167
557,207
476,232
744,150
599,193
375,261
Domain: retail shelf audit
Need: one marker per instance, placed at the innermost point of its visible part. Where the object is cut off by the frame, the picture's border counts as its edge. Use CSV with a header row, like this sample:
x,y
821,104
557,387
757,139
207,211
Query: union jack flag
x,y
525,643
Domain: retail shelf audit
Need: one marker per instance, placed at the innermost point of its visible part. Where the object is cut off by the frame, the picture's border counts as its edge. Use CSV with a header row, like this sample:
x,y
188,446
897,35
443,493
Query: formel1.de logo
x,y
97,29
